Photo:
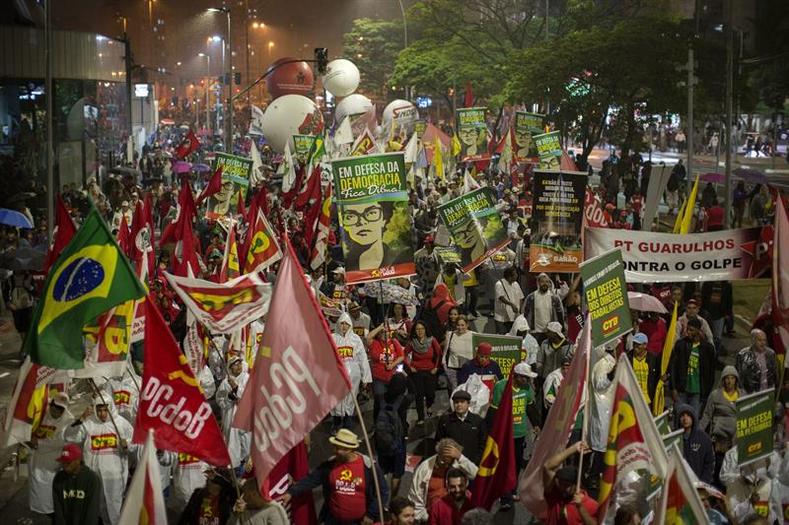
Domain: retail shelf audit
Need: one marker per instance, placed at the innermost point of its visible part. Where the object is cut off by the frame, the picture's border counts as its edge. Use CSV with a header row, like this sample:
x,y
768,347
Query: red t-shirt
x,y
561,512
381,354
348,499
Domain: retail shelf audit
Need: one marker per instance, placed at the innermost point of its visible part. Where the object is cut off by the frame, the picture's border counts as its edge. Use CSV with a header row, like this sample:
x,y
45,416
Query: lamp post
x,y
405,38
228,76
207,90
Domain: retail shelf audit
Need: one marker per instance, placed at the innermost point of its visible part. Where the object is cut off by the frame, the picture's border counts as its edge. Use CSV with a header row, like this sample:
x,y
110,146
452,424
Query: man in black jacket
x,y
76,490
696,445
463,426
692,368
347,480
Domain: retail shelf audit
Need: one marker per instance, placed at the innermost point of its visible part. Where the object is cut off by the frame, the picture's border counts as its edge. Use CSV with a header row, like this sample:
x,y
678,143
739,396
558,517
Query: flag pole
x,y
376,481
585,425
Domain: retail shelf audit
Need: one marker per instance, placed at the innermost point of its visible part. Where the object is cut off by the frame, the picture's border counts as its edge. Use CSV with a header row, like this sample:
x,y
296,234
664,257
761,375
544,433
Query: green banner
x,y
755,426
372,204
506,349
302,145
606,297
549,149
472,129
448,254
661,422
235,181
475,226
526,126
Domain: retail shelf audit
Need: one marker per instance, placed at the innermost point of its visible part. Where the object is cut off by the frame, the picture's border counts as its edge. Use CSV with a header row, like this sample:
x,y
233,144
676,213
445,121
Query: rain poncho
x,y
104,455
42,463
603,395
351,351
238,441
757,477
529,343
188,476
125,393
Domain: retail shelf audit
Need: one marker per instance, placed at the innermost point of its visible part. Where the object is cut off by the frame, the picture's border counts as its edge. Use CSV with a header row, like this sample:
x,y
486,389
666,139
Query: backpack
x,y
389,431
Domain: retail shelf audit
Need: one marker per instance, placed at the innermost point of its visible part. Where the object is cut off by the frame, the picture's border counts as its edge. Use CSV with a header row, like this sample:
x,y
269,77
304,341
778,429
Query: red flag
x,y
180,232
213,187
144,501
311,190
679,500
298,377
64,231
142,242
311,218
567,163
240,207
557,427
262,248
290,196
171,402
28,402
294,466
468,97
124,237
497,470
190,143
230,266
780,295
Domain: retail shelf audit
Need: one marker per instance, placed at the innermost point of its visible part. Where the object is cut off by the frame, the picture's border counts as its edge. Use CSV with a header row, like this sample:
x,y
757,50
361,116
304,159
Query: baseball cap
x,y
484,349
71,452
640,338
554,327
523,369
339,269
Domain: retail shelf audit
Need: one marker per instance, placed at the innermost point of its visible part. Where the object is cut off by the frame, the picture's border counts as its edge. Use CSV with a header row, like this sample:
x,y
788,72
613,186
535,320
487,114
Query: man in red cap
x,y
482,365
76,490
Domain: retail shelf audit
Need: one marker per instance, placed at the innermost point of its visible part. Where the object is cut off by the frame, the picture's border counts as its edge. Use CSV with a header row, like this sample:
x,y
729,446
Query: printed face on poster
x,y
472,130
527,125
235,182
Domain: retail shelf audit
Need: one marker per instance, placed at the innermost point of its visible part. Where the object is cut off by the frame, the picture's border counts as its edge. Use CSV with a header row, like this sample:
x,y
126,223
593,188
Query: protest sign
x,y
558,216
302,145
475,226
372,204
665,257
235,181
472,129
527,125
606,296
419,127
506,351
755,426
549,149
448,254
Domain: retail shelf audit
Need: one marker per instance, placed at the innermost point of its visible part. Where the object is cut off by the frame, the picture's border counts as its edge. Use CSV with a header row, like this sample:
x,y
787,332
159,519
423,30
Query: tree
x,y
373,45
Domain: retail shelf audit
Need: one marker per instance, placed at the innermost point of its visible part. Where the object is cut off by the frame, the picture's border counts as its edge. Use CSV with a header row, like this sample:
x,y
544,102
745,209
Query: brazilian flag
x,y
88,278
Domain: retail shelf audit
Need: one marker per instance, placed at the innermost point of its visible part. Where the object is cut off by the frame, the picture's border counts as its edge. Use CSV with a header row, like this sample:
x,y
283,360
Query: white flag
x,y
344,133
288,169
412,149
256,122
144,502
257,164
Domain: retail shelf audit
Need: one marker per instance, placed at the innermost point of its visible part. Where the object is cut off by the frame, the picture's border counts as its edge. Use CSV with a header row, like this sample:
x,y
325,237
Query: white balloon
x,y
341,78
355,104
290,115
404,114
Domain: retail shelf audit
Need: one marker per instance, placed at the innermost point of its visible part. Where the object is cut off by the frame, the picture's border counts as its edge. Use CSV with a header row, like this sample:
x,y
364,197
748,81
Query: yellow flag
x,y
438,160
690,207
455,145
659,405
678,220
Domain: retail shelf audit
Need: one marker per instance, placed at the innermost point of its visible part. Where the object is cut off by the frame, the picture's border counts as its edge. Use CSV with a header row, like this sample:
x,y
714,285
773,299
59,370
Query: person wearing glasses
x,y
364,225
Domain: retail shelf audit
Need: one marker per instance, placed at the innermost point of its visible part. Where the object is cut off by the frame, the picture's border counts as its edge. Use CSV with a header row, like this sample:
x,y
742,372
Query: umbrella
x,y
180,166
390,293
28,259
715,178
15,218
645,303
201,167
750,175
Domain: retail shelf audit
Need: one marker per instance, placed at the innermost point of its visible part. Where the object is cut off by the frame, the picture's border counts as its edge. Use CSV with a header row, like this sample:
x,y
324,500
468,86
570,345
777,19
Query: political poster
x,y
472,130
526,126
755,426
302,145
448,254
419,127
372,204
235,182
557,213
475,226
506,350
549,150
606,297
651,257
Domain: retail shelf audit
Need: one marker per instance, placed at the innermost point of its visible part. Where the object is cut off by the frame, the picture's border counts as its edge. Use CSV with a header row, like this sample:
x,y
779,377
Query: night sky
x,y
294,26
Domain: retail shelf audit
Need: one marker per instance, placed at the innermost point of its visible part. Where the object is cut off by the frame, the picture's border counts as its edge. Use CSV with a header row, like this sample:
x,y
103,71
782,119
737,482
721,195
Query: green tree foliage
x,y
373,45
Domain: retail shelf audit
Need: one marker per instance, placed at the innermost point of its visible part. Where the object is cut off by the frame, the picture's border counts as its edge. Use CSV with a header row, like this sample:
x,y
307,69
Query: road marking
x,y
5,374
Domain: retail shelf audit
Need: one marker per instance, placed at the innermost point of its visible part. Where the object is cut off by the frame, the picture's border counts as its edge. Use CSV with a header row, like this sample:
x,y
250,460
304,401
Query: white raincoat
x,y
188,476
756,477
102,453
126,394
603,395
42,463
238,441
351,350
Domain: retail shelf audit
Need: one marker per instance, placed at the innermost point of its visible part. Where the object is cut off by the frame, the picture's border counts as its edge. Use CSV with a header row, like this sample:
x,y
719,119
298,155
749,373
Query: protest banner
x,y
235,181
448,254
505,350
593,212
549,150
558,216
526,126
419,127
472,129
651,257
755,426
372,204
475,226
606,296
302,145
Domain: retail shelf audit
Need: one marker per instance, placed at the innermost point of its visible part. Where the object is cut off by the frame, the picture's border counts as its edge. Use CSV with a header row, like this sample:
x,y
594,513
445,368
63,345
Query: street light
x,y
229,75
270,45
207,92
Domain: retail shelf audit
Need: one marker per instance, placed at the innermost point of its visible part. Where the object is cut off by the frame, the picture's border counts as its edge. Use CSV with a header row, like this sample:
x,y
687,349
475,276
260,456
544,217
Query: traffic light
x,y
237,78
322,58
